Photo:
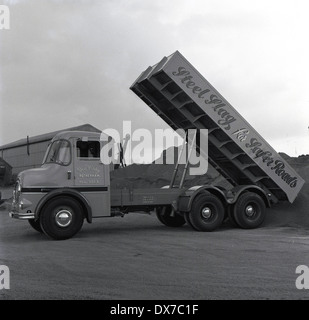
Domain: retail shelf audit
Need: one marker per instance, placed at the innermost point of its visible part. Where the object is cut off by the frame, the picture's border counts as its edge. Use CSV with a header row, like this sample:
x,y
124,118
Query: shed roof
x,y
46,136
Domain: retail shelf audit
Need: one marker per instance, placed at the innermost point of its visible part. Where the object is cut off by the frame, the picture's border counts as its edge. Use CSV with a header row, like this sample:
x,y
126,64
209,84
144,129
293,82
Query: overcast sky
x,y
66,63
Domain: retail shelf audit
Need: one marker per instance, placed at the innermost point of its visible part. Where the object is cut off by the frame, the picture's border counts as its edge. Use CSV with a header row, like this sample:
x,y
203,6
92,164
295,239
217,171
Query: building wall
x,y
19,159
5,173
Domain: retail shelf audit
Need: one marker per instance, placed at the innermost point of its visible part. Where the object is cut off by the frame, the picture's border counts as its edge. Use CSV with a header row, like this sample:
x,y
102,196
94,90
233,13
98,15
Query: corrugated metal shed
x,y
29,152
5,173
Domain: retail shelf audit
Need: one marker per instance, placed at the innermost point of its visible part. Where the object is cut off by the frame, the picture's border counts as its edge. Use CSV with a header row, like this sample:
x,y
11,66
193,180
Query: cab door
x,y
91,176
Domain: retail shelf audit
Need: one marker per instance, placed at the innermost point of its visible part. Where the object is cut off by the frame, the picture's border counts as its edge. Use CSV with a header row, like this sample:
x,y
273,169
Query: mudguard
x,y
66,192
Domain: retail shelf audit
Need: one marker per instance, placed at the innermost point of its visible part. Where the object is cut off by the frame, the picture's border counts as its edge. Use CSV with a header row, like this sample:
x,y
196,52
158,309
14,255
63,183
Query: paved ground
x,y
137,258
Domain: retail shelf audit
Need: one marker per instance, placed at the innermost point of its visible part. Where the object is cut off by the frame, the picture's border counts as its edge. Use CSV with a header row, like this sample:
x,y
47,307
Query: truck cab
x,y
72,177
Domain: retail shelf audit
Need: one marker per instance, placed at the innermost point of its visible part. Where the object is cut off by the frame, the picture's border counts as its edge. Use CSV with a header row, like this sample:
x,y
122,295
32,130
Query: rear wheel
x,y
35,224
165,217
61,218
187,219
207,212
249,210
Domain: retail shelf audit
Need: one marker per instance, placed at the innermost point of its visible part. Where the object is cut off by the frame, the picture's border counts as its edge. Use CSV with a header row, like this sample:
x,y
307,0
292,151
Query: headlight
x,y
17,191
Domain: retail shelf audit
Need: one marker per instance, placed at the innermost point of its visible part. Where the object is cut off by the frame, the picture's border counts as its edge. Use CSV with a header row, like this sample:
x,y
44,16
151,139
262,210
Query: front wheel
x,y
164,216
249,210
35,224
61,218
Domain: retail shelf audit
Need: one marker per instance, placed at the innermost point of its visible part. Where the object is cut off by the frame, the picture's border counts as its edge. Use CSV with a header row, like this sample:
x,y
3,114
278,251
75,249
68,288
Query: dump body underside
x,y
178,93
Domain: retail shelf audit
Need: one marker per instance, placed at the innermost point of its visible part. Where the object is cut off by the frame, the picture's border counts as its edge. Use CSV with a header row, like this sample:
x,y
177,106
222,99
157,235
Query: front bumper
x,y
22,216
16,213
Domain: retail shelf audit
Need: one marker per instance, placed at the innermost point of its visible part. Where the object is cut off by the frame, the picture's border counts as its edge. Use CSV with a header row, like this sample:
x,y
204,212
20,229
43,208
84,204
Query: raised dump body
x,y
184,99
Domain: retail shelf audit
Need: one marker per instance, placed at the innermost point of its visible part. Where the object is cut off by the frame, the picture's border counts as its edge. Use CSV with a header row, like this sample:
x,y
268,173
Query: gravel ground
x,y
138,258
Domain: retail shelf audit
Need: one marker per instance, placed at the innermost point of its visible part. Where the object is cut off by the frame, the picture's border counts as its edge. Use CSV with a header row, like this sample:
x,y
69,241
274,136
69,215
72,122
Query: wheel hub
x,y
63,218
206,213
250,211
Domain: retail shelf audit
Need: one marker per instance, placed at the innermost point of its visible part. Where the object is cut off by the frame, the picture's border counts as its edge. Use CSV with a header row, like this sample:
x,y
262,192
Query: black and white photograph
x,y
154,154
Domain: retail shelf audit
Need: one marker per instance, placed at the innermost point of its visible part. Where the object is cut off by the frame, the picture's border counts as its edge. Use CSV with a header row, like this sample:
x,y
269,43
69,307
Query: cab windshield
x,y
59,152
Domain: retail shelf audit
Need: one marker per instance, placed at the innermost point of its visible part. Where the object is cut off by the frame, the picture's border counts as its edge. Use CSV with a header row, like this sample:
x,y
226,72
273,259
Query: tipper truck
x,y
74,185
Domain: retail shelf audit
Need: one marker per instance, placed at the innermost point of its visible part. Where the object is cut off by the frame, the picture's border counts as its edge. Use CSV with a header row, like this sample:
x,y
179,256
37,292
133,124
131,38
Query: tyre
x,y
35,224
207,212
187,219
61,218
249,210
165,217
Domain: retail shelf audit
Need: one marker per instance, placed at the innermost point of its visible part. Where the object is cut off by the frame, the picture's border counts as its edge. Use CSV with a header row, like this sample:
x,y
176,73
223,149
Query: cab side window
x,y
88,149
